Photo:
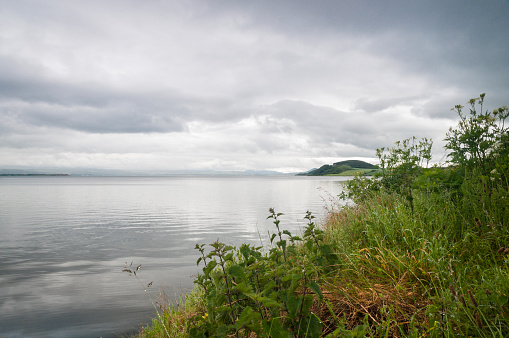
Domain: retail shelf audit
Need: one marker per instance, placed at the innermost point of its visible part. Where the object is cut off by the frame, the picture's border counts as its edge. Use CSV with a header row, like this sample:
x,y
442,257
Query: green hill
x,y
348,167
356,164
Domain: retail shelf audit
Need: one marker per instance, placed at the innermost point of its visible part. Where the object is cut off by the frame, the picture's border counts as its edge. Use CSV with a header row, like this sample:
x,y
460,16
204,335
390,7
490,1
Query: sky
x,y
239,85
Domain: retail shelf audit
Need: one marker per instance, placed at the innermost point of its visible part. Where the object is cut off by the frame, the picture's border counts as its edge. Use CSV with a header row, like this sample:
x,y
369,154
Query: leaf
x,y
245,251
307,303
228,257
316,289
249,318
273,328
311,326
237,271
292,304
210,266
269,286
282,244
245,289
268,303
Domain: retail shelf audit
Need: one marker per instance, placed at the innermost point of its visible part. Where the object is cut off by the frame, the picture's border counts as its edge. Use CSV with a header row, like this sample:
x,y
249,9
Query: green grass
x,y
355,171
422,253
399,273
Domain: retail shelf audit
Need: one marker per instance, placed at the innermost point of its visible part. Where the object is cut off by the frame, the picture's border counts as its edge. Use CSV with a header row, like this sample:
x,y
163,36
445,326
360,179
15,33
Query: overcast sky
x,y
235,85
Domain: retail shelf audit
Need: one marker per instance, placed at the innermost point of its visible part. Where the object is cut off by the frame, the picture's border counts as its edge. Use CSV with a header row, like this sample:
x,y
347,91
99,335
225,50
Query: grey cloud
x,y
368,131
453,43
376,105
82,110
299,78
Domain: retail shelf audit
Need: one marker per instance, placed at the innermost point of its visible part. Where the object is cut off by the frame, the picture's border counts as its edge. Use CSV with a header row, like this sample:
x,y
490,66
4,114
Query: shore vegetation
x,y
418,251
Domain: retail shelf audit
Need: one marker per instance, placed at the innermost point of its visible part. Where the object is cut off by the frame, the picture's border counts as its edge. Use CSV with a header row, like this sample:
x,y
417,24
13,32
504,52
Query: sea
x,y
65,241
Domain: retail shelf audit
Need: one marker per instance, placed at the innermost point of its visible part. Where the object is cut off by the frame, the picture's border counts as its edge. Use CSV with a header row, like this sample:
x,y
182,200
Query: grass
x,y
399,274
356,171
422,253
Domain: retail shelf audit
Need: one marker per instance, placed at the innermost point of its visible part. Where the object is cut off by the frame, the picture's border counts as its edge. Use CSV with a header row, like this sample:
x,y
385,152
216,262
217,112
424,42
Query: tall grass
x,y
424,252
440,272
398,273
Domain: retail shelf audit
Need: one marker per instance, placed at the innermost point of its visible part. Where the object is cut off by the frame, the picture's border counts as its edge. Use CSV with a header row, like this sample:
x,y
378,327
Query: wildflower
x,y
205,316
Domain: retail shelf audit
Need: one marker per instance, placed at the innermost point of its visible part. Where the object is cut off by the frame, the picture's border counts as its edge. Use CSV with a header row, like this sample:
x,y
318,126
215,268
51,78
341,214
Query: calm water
x,y
65,240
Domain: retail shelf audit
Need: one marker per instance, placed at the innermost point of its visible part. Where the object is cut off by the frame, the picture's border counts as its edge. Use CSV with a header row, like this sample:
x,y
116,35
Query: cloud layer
x,y
234,85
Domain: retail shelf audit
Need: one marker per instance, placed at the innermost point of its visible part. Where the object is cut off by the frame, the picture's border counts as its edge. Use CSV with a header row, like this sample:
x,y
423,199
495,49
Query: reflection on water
x,y
64,241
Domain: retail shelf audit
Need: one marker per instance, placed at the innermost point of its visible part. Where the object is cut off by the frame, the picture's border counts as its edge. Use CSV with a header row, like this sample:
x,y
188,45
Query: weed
x,y
422,253
133,272
269,294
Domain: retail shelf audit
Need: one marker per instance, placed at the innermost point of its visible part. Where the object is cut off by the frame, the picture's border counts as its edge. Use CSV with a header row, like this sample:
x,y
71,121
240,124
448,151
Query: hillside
x,y
356,164
342,168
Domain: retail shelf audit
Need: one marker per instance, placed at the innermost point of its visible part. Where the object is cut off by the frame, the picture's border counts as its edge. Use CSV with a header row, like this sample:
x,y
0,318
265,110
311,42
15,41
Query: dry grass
x,y
382,304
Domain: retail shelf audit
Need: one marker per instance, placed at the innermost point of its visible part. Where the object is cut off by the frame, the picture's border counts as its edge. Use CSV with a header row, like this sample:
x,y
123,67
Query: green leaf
x,y
269,303
292,304
273,328
307,303
250,319
282,244
245,289
311,326
210,266
316,289
228,257
245,251
269,286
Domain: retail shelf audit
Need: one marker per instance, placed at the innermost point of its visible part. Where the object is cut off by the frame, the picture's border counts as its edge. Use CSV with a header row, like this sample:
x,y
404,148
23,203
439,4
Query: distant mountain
x,y
261,173
33,172
340,168
113,172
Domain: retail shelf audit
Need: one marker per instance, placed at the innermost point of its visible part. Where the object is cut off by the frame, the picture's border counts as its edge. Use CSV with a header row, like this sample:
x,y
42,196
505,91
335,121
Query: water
x,y
65,240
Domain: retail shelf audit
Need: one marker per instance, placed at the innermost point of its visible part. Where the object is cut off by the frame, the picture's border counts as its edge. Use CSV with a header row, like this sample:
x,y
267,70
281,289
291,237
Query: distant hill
x,y
127,172
343,167
356,164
